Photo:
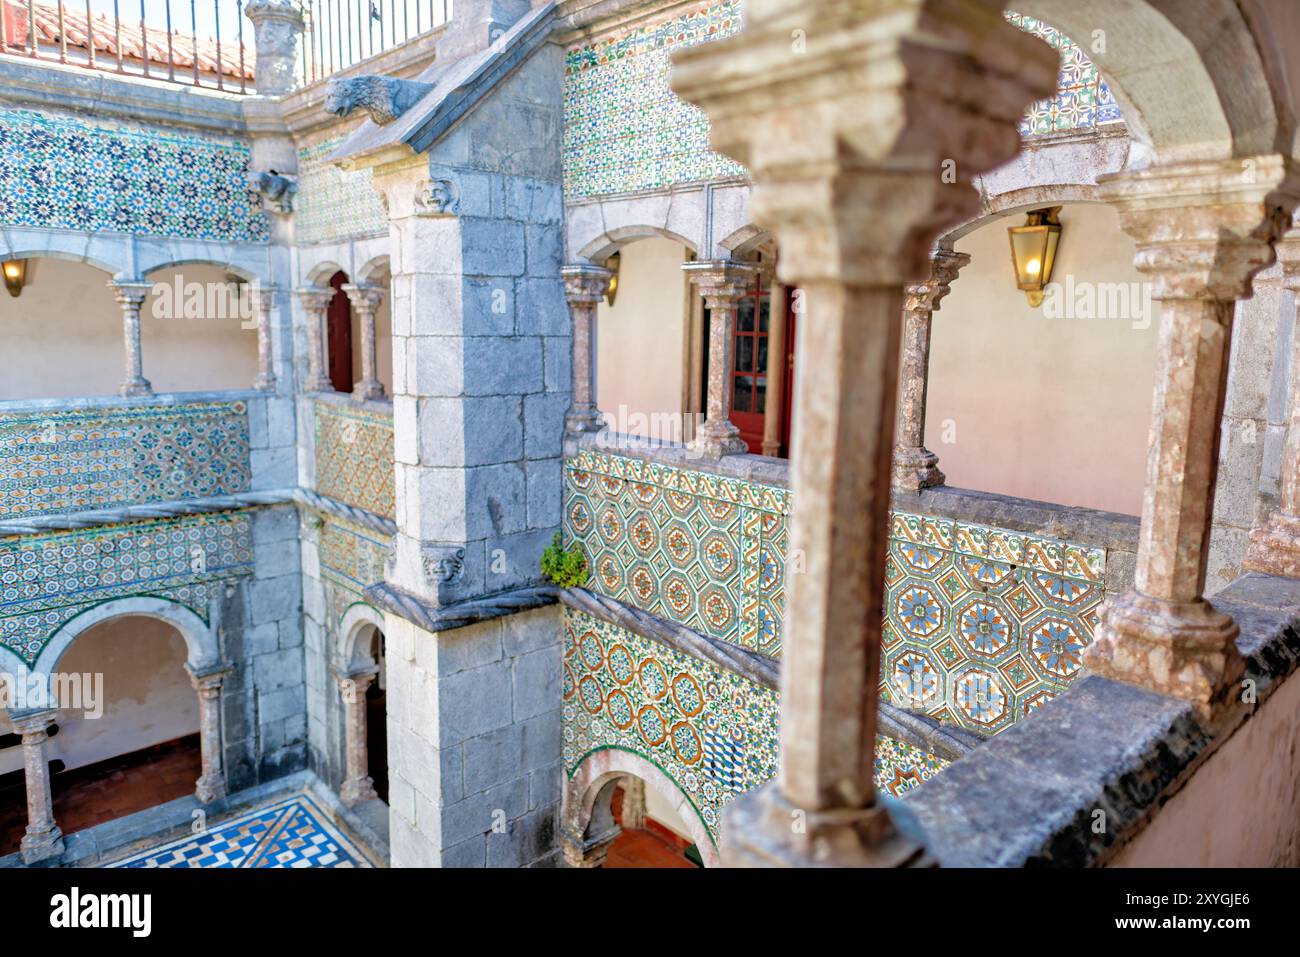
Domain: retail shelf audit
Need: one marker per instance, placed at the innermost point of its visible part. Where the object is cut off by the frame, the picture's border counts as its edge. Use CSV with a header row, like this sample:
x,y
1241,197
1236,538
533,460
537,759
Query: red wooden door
x,y
338,325
749,370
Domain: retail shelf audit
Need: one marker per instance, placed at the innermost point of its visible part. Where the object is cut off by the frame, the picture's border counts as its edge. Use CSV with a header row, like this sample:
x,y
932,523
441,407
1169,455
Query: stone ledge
x,y
1028,796
438,618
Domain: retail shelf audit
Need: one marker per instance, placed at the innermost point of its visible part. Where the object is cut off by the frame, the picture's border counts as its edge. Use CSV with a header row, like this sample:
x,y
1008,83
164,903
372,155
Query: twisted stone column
x,y
130,296
1275,546
722,283
263,302
43,839
1202,232
212,780
366,299
358,787
915,466
585,286
315,302
853,204
276,27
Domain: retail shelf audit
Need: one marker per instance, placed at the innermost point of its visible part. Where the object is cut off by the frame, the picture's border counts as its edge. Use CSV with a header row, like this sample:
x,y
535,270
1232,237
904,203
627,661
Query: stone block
x,y
471,853
492,247
281,703
558,363
435,365
462,649
529,839
279,669
542,740
544,424
272,599
480,813
490,306
495,502
543,310
536,682
502,366
544,493
473,702
531,631
493,429
493,758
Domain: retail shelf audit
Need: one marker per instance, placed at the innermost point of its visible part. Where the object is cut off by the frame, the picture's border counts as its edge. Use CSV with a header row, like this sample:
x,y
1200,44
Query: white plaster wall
x,y
148,698
660,809
1049,409
641,364
1242,807
63,338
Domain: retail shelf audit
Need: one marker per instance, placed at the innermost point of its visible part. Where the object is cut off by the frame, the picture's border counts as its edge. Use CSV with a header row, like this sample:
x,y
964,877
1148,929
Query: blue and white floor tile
x,y
292,832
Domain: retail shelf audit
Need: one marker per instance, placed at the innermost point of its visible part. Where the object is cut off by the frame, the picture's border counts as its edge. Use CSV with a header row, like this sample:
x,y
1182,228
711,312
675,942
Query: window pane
x,y
762,355
760,394
744,353
745,315
742,394
764,310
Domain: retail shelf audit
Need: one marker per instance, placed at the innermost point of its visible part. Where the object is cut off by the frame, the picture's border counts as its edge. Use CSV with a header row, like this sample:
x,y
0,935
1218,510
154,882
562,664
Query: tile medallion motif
x,y
63,173
47,580
333,204
981,625
68,461
1082,99
701,549
351,559
290,833
354,457
713,732
984,625
624,129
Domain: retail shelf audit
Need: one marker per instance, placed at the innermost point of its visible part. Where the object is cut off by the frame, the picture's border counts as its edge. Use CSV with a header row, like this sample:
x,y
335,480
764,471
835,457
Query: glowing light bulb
x,y
1033,266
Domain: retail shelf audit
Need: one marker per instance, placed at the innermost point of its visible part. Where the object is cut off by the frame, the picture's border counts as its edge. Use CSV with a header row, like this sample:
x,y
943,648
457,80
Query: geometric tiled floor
x,y
291,832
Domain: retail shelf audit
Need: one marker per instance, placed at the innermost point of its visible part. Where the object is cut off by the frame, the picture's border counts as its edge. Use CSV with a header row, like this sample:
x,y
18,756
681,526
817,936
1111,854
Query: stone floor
x,y
293,831
645,848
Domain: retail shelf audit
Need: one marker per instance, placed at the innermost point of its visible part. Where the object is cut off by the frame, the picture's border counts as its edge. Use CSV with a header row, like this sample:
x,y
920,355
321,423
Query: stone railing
x,y
354,453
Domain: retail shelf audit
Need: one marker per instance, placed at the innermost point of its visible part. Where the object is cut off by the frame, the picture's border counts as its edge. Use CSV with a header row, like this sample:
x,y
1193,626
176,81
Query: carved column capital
x,y
585,283
130,293
33,724
721,281
1204,229
365,297
314,298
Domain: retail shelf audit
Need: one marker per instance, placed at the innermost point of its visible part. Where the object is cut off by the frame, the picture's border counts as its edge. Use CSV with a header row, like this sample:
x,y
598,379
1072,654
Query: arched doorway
x,y
362,679
338,332
377,720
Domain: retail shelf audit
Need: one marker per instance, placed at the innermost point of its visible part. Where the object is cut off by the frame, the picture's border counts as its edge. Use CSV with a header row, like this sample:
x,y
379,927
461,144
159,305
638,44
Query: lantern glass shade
x,y
612,264
1033,252
15,275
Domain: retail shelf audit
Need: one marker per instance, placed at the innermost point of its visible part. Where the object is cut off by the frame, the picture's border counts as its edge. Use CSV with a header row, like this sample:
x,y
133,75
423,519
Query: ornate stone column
x,y
212,780
42,839
315,303
357,784
915,466
130,296
585,286
722,283
366,299
277,24
633,816
264,302
1275,546
1202,231
846,142
778,323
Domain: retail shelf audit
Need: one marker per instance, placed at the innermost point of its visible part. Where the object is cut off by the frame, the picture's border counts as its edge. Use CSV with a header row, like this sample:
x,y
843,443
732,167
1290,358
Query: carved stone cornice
x,y
721,281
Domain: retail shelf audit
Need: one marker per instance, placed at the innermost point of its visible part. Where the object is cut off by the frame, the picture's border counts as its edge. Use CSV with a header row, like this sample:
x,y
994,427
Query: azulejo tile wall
x,y
72,460
61,172
713,732
47,580
333,204
982,625
701,549
1082,100
354,457
624,130
351,559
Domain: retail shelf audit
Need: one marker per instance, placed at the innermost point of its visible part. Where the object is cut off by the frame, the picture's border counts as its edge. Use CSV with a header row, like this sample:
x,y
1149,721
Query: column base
x,y
1275,547
265,382
587,853
135,387
357,791
715,441
208,789
318,385
369,390
41,845
1185,650
763,829
915,468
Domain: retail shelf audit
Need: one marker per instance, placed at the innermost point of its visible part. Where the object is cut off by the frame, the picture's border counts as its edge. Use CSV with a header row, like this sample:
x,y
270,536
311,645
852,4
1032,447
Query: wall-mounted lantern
x,y
15,273
612,264
1033,251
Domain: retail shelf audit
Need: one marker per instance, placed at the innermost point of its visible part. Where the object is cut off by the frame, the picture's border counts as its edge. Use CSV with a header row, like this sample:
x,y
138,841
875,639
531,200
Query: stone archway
x,y
357,671
589,827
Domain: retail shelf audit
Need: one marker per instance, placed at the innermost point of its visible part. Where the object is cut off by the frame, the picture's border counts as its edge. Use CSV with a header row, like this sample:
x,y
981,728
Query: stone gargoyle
x,y
276,190
385,98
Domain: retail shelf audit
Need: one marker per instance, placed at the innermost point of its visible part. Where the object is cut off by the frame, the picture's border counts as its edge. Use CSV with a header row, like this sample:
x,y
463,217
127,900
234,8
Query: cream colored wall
x,y
658,807
641,339
1049,409
63,338
147,695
